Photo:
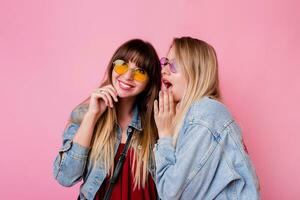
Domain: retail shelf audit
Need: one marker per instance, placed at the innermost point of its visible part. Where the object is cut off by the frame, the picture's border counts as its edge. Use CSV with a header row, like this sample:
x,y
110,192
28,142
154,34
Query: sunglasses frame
x,y
164,61
135,70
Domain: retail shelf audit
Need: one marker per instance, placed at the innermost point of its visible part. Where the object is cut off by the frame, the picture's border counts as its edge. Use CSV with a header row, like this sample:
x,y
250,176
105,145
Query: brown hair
x,y
143,55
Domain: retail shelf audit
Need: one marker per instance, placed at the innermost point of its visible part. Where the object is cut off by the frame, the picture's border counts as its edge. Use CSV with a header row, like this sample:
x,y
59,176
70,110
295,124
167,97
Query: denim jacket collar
x,y
136,119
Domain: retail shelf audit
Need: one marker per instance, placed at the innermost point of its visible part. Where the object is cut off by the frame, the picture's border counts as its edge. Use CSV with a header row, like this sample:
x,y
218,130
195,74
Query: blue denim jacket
x,y
209,161
72,163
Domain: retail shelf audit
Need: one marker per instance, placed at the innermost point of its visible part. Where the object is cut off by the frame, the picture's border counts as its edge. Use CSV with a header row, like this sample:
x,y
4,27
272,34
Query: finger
x,y
113,90
171,100
96,95
105,92
155,107
166,101
163,86
109,98
112,93
99,90
161,102
177,107
103,97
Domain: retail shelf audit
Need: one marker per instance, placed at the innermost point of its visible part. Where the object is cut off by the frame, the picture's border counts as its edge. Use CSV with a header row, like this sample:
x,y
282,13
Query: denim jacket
x,y
72,163
209,160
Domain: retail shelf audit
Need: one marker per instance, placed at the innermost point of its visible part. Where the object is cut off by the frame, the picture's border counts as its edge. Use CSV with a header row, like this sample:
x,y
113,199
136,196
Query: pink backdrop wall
x,y
53,53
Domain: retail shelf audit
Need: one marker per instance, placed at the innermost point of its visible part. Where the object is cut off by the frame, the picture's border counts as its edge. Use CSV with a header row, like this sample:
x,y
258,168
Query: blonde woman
x,y
95,138
200,153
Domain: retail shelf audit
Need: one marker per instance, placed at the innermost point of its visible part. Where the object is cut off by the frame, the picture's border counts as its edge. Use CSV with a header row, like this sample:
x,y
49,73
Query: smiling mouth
x,y
124,85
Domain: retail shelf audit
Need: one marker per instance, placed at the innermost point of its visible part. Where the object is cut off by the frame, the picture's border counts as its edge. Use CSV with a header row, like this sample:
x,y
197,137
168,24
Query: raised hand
x,y
164,113
101,98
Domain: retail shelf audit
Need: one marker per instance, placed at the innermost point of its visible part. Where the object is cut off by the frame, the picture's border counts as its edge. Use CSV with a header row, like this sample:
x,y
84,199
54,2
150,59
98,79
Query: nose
x,y
165,70
129,75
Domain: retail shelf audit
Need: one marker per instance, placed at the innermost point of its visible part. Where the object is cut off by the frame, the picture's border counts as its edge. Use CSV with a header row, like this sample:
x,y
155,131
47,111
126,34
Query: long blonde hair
x,y
104,138
198,63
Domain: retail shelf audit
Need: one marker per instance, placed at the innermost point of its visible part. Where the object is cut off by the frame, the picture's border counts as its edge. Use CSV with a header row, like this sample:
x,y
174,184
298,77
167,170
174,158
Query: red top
x,y
123,188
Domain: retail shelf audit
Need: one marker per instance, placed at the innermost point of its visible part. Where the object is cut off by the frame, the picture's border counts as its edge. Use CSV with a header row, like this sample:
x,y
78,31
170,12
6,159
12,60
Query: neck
x,y
125,107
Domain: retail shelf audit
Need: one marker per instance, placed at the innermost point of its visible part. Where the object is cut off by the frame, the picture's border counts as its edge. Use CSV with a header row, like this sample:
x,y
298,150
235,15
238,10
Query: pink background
x,y
53,54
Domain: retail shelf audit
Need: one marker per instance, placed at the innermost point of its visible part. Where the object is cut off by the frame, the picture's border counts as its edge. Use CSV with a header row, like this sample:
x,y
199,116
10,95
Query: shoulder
x,y
209,112
78,113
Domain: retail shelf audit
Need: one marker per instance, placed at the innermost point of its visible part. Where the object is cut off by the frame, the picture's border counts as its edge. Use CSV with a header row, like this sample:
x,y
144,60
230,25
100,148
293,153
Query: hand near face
x,y
102,98
164,113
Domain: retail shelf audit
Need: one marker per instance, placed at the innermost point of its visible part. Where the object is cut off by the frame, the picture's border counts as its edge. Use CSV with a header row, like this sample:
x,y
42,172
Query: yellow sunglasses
x,y
121,67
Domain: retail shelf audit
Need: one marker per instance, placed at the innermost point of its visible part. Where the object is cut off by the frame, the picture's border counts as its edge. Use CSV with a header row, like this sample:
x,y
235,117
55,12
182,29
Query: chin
x,y
124,94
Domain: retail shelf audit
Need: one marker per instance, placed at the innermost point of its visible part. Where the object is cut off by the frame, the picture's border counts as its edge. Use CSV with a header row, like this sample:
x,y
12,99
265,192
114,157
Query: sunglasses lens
x,y
173,67
165,61
140,75
120,67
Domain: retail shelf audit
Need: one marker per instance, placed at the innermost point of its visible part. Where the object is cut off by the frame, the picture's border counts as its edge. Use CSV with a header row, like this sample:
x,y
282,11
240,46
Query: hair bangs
x,y
137,56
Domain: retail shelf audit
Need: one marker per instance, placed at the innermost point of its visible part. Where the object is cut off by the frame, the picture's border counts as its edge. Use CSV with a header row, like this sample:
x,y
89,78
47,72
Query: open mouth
x,y
166,83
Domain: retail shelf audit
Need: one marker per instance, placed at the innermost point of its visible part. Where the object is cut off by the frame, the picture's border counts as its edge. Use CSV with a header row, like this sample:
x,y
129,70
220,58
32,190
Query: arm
x,y
70,163
176,168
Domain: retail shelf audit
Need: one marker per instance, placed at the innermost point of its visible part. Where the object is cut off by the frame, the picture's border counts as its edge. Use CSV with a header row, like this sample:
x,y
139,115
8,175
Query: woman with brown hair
x,y
121,108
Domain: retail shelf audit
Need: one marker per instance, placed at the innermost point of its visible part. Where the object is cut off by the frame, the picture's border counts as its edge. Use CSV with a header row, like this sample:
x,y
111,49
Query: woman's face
x,y
126,85
172,77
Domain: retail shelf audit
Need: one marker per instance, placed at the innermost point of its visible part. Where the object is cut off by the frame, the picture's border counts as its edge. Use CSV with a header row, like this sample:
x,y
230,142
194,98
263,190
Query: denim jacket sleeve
x,y
175,168
70,162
